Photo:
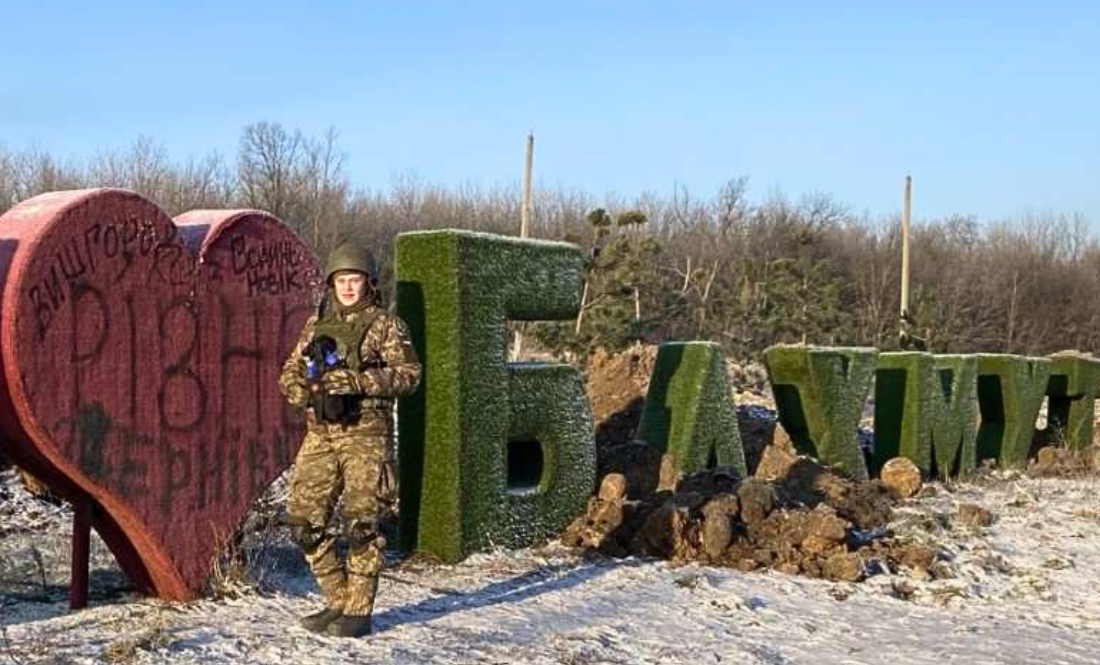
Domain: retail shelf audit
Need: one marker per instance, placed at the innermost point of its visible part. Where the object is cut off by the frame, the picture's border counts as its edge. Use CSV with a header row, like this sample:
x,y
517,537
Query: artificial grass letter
x,y
1071,399
689,411
489,453
819,394
926,410
1010,394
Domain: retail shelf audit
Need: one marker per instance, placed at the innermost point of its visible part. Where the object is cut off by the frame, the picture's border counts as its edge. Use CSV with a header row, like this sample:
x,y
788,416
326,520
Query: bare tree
x,y
267,166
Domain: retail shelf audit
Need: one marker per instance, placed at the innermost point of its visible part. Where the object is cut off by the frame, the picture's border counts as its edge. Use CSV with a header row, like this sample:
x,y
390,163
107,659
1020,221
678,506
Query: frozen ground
x,y
1025,592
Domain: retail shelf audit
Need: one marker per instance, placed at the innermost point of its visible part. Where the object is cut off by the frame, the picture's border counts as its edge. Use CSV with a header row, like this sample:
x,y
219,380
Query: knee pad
x,y
361,533
308,536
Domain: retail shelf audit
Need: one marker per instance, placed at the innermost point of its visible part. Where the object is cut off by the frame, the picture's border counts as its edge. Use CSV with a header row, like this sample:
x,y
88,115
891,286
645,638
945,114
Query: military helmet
x,y
351,256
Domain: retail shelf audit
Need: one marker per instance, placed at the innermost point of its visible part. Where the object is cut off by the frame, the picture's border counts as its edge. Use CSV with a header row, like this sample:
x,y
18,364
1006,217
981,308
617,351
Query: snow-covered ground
x,y
1025,591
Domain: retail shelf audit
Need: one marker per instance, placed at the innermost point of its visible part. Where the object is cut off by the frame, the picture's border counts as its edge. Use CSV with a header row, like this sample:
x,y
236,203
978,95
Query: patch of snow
x,y
1025,591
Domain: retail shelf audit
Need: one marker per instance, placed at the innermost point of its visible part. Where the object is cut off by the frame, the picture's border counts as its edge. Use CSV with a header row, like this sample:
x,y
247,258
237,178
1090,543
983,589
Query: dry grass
x,y
127,649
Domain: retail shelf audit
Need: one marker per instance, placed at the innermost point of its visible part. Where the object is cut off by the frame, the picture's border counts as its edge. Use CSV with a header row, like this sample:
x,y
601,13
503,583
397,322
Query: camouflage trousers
x,y
355,461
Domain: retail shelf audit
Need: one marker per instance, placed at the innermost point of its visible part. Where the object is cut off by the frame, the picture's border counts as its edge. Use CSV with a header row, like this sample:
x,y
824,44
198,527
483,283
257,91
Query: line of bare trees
x,y
745,273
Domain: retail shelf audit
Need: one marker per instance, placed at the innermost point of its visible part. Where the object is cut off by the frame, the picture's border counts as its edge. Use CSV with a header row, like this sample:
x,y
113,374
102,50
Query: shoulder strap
x,y
362,327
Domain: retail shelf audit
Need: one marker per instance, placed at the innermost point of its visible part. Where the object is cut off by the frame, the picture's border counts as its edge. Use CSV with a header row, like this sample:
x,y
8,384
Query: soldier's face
x,y
349,286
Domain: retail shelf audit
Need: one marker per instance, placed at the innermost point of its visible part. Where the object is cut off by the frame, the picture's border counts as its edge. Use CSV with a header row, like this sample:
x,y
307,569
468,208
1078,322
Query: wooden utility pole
x,y
525,213
905,247
904,313
524,227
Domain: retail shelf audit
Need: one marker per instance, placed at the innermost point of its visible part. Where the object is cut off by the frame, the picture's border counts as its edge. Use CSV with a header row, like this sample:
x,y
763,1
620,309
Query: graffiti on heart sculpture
x,y
140,357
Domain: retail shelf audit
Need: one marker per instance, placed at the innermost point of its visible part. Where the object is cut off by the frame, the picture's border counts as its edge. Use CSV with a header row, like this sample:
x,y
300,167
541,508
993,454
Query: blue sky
x,y
994,107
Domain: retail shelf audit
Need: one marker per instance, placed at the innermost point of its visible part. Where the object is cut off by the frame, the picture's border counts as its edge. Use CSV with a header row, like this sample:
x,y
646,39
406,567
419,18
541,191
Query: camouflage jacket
x,y
387,339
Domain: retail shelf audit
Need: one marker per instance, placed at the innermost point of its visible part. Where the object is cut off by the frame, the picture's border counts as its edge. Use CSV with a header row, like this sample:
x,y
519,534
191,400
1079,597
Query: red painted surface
x,y
82,532
140,358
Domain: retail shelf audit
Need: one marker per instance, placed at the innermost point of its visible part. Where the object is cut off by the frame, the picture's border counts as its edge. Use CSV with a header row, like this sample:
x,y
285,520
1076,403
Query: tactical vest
x,y
349,336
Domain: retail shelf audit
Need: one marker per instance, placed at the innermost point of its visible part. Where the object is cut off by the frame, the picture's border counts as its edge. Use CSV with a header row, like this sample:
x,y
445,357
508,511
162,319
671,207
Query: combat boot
x,y
350,625
318,621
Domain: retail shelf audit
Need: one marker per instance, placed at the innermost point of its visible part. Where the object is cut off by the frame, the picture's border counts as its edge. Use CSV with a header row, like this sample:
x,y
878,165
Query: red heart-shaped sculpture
x,y
140,363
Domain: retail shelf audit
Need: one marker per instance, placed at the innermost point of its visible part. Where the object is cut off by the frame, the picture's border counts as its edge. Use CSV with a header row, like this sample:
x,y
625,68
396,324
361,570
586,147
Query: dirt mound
x,y
795,516
617,385
801,480
638,462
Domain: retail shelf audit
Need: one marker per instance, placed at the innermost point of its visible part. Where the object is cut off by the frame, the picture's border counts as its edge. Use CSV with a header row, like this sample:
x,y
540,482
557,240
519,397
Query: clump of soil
x,y
794,515
902,477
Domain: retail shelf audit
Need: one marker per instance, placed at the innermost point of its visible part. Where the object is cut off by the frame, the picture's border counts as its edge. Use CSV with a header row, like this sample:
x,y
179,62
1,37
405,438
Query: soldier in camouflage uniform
x,y
352,454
